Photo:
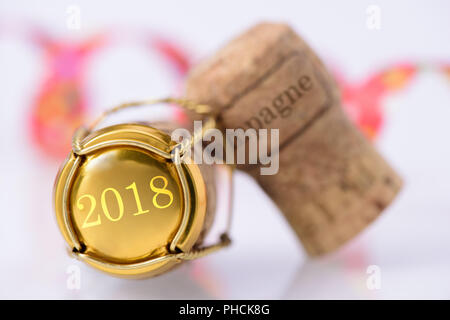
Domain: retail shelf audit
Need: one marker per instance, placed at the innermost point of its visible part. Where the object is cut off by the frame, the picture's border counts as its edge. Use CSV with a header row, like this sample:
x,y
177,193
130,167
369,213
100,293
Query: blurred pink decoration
x,y
364,101
173,54
61,102
445,67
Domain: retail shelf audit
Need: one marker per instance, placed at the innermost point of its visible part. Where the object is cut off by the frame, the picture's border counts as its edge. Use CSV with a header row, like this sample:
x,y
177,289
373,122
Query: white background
x,y
410,242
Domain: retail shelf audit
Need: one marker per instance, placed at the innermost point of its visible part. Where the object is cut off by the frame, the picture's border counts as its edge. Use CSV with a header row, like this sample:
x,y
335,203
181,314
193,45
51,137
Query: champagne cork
x,y
331,182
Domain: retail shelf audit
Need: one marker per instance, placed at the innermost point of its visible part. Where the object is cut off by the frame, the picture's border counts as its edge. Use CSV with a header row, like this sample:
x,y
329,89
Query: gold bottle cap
x,y
124,205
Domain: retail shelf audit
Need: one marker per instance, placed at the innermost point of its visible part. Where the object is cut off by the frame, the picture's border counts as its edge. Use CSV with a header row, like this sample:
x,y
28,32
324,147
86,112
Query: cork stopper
x,y
331,181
